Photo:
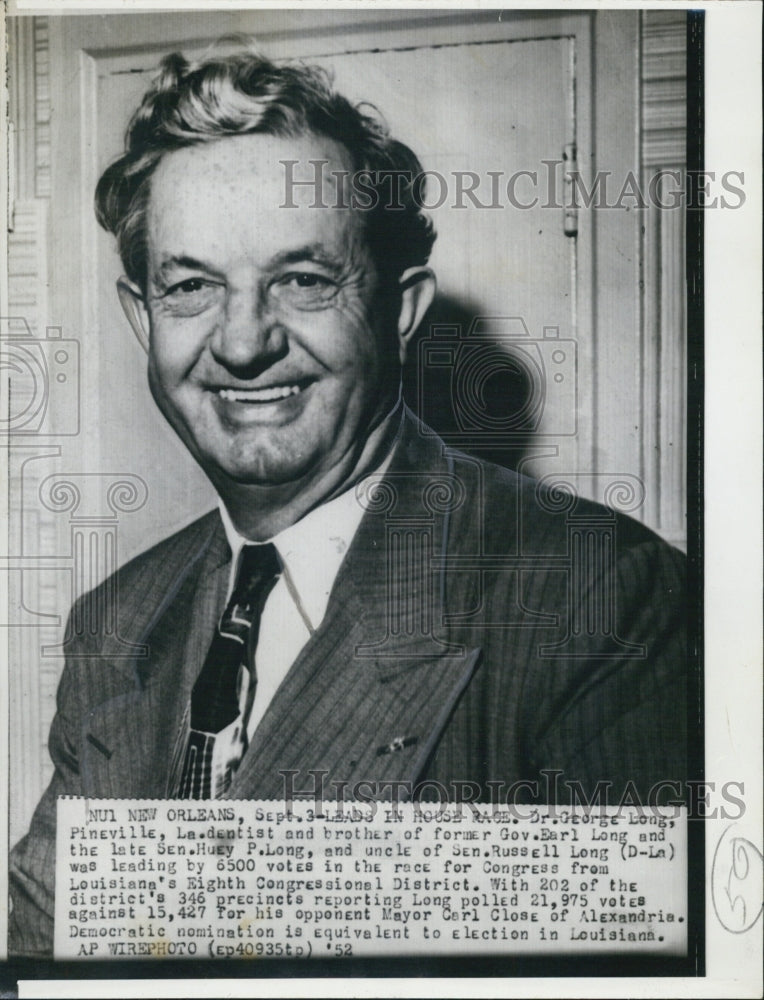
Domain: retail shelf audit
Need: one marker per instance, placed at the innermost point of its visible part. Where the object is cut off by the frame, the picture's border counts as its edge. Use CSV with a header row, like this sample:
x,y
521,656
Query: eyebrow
x,y
315,252
182,260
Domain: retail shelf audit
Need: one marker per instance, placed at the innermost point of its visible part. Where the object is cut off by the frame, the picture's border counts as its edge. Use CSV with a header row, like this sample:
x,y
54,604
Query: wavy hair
x,y
240,92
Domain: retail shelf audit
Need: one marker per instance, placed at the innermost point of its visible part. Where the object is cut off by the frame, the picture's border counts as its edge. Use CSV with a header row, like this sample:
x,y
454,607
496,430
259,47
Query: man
x,y
367,608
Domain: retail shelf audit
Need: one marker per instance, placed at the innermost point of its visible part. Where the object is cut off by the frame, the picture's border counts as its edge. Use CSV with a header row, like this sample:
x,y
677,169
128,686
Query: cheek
x,y
358,363
162,384
162,367
346,341
173,349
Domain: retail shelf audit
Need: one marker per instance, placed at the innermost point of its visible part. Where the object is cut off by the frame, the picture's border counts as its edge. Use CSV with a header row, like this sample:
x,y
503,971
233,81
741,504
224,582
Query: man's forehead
x,y
232,161
232,193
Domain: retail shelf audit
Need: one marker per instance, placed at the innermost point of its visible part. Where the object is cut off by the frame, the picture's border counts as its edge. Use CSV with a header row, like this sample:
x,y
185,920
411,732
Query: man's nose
x,y
248,336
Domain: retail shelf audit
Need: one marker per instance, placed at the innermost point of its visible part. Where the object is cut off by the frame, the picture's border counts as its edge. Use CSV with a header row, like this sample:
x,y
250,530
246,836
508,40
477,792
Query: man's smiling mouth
x,y
268,395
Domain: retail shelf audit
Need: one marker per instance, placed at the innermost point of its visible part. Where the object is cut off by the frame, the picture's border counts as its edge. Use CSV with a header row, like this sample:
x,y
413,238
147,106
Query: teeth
x,y
259,395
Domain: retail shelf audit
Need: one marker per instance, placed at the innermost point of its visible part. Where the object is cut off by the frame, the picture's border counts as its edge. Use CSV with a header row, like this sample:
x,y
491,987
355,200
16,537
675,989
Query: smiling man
x,y
366,608
272,335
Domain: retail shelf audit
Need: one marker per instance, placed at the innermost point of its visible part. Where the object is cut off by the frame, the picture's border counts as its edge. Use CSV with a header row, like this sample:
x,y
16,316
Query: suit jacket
x,y
480,630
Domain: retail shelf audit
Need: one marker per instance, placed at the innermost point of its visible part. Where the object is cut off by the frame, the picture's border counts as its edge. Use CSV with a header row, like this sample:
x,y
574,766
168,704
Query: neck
x,y
260,512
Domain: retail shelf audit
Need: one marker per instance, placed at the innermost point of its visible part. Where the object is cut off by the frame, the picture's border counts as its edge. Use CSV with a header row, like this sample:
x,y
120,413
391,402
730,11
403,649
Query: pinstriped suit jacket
x,y
487,626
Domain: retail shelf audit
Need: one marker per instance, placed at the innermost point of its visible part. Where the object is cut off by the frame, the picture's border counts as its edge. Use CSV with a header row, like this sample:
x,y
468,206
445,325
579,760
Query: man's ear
x,y
417,289
134,307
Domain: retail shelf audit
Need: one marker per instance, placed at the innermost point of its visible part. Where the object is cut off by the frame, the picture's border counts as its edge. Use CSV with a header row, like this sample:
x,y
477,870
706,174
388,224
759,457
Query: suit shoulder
x,y
188,538
537,515
143,572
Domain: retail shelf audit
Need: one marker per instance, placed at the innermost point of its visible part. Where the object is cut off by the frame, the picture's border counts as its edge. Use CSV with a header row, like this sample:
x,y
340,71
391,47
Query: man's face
x,y
270,353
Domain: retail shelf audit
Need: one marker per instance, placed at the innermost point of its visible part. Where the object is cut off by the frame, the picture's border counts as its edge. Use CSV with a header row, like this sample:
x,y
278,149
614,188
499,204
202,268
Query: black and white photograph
x,y
355,422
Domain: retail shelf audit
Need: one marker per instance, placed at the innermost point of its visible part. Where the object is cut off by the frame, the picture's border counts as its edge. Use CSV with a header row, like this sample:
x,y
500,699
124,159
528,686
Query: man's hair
x,y
240,92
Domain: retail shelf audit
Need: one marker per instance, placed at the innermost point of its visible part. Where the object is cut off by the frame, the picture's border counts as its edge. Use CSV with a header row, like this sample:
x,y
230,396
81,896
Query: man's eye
x,y
186,287
304,289
307,279
189,297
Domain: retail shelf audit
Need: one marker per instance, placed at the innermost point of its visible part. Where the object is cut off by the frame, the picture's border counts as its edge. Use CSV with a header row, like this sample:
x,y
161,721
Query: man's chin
x,y
261,472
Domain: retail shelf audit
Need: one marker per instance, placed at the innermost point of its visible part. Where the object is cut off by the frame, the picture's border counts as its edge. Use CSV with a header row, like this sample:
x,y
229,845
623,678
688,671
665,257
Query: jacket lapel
x,y
130,740
349,717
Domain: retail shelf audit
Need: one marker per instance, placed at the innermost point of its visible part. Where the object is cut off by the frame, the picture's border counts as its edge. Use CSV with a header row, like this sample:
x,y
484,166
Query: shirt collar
x,y
312,549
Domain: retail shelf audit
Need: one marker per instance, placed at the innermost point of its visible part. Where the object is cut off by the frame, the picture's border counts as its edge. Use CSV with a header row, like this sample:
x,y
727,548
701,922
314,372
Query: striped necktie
x,y
215,702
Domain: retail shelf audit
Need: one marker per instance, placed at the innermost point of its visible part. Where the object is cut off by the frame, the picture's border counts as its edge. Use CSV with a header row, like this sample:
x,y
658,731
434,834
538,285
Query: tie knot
x,y
259,565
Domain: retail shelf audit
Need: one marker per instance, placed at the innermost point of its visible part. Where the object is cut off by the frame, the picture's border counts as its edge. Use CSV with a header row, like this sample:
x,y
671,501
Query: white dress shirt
x,y
311,552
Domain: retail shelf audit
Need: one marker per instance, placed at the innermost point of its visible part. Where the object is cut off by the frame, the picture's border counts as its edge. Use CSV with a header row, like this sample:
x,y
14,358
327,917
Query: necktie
x,y
215,704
